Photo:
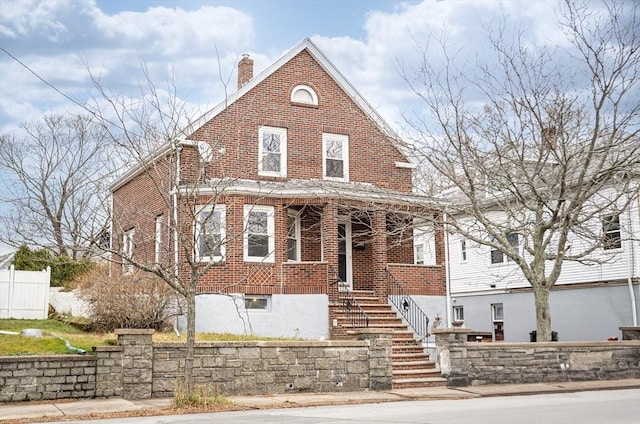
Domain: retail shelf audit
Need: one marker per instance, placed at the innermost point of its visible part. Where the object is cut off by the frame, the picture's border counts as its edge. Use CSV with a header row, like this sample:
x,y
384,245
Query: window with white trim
x,y
497,257
304,94
210,233
424,245
272,151
458,313
335,157
158,238
293,237
257,302
611,232
259,239
463,250
128,248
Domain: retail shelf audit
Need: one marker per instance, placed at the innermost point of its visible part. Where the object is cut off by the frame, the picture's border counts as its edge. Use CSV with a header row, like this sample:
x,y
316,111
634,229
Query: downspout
x,y
447,271
630,268
110,234
174,197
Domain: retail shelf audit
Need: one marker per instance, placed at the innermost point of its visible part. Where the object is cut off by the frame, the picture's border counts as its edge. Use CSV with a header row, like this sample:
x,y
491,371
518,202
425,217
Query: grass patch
x,y
50,343
199,397
52,330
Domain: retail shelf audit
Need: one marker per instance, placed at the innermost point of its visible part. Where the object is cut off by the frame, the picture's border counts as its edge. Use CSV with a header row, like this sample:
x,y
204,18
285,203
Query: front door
x,y
344,254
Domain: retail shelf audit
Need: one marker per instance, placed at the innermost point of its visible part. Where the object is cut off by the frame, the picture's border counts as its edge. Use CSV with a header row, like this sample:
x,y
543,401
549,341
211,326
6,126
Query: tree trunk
x,y
543,313
191,338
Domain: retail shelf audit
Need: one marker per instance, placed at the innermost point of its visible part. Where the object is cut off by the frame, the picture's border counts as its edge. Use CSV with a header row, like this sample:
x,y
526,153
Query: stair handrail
x,y
356,316
407,307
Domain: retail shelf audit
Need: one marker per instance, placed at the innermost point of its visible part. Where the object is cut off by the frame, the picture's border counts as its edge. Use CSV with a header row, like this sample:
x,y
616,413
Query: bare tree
x,y
164,220
540,148
53,170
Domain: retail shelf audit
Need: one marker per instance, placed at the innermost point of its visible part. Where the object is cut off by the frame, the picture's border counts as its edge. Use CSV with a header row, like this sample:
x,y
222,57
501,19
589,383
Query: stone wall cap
x,y
458,330
133,331
545,345
267,343
107,348
32,358
629,328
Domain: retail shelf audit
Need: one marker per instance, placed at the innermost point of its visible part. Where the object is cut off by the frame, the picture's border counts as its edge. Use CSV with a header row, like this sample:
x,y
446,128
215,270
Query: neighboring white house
x,y
488,292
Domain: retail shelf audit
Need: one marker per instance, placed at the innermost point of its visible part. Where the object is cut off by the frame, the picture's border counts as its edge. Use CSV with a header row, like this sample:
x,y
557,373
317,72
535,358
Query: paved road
x,y
594,407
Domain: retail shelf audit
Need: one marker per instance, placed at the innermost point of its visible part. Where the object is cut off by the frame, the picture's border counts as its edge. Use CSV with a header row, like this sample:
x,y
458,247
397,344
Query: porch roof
x,y
310,189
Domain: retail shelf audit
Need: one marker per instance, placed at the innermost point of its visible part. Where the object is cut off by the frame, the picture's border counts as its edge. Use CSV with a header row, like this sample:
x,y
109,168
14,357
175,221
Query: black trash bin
x,y
533,337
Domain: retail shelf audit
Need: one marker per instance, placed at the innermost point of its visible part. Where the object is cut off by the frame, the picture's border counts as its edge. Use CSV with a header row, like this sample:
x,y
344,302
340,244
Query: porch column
x,y
379,252
330,244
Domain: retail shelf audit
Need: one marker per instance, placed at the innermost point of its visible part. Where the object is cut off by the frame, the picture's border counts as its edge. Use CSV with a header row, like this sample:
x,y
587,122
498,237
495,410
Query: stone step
x,y
409,383
414,365
416,373
399,357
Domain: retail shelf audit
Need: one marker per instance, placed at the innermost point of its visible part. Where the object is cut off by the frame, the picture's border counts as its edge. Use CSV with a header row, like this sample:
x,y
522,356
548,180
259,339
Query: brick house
x,y
295,200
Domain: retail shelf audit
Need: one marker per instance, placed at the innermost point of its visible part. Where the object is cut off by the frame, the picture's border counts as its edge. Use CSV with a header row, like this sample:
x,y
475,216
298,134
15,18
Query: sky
x,y
197,43
51,48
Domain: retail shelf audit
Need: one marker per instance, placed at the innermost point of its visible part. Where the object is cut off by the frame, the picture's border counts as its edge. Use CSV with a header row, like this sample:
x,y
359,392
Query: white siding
x,y
477,274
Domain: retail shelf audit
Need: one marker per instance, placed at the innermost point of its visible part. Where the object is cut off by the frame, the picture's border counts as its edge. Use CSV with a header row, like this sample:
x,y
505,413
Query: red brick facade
x,y
233,135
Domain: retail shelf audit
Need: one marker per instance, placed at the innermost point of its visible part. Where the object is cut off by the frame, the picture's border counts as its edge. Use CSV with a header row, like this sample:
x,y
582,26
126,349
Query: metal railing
x,y
339,295
406,306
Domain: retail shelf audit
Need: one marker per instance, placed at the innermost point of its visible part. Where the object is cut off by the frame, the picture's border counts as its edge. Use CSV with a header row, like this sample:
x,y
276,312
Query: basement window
x,y
256,302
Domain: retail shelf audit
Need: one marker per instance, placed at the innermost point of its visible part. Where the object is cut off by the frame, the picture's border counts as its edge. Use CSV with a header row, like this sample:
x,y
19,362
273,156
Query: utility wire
x,y
45,81
83,106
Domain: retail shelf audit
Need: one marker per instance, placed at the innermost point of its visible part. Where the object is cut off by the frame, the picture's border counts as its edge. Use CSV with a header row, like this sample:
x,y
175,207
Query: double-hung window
x,y
272,151
497,257
611,232
335,157
210,233
463,250
259,238
128,247
158,239
293,237
424,245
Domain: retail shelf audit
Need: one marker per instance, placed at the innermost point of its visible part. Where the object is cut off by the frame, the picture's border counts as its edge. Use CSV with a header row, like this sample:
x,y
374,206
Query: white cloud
x,y
59,39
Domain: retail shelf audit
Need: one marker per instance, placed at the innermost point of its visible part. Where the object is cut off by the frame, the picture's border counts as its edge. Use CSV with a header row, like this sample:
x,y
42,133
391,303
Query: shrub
x,y
138,300
63,269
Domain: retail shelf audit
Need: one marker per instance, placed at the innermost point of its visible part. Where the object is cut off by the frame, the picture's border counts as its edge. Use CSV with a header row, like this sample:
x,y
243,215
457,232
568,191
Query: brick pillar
x,y
330,238
379,253
380,349
329,223
137,362
108,371
451,351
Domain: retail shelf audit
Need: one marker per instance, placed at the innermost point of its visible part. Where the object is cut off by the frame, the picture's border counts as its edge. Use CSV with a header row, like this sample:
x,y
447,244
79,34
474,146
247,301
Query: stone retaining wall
x,y
138,369
471,363
47,377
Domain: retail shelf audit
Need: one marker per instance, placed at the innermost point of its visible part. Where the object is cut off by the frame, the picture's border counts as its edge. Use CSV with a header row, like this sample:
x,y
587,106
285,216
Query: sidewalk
x,y
68,408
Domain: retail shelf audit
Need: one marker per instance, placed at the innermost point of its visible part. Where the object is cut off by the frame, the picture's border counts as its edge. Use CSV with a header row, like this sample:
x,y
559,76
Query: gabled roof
x,y
328,67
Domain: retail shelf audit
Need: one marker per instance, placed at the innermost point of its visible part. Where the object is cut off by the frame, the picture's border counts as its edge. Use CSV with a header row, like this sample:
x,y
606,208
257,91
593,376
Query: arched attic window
x,y
304,94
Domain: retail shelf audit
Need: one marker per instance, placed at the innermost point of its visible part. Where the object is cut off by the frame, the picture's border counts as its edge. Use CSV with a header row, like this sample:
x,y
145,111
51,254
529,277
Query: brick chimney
x,y
245,70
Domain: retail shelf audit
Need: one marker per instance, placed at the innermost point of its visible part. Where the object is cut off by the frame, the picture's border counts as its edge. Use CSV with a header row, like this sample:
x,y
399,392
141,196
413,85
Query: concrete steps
x,y
411,366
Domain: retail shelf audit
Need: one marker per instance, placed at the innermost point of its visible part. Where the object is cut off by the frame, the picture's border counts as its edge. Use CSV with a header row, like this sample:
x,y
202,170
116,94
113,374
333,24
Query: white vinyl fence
x,y
24,294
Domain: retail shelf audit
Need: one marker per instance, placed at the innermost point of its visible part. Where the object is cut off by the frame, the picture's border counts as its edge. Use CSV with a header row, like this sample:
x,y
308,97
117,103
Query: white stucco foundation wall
x,y
302,316
577,314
